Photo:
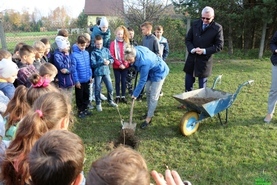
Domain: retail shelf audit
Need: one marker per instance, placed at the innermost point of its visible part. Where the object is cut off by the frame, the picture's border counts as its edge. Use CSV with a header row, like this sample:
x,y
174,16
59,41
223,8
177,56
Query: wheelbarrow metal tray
x,y
220,100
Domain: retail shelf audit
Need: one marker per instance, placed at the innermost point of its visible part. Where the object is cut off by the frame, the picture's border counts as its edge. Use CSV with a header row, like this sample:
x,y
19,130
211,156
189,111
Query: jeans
x,y
120,76
153,90
82,96
272,97
189,81
108,82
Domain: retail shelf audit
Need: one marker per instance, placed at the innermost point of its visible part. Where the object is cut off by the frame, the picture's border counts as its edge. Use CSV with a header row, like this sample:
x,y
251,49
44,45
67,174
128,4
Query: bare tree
x,y
137,12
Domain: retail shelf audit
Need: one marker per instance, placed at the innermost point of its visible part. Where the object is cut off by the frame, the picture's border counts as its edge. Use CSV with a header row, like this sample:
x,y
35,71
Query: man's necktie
x,y
204,26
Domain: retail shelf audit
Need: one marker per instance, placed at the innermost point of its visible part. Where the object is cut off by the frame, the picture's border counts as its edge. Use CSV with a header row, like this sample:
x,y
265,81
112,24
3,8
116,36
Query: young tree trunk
x,y
230,41
261,51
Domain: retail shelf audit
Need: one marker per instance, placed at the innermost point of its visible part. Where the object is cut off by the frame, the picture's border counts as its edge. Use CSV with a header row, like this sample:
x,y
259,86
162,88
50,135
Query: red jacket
x,y
117,62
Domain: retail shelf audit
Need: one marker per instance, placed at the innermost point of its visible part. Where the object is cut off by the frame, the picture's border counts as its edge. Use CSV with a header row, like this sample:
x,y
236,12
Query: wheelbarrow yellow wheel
x,y
189,123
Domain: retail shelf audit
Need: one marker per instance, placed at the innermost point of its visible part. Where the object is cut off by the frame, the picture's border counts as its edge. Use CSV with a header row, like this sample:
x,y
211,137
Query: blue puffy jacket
x,y
63,61
81,61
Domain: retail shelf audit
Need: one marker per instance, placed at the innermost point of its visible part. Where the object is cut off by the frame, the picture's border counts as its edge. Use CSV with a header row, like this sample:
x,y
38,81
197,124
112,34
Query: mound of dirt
x,y
199,101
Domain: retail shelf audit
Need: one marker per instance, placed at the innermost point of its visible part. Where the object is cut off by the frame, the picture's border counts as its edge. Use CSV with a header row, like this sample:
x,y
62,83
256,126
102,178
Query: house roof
x,y
104,7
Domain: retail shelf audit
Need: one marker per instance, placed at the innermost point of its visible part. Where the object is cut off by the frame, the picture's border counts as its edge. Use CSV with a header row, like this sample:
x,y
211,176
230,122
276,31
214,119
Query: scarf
x,y
117,49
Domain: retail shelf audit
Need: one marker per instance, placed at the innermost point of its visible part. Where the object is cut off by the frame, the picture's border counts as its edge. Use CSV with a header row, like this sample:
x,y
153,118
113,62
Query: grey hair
x,y
208,9
129,52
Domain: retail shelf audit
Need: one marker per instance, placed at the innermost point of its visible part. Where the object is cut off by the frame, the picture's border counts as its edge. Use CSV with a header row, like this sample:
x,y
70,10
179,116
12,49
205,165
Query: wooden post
x,y
2,35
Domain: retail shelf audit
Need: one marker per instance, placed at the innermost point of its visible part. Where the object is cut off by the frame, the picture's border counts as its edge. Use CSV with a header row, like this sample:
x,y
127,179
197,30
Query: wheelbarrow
x,y
203,103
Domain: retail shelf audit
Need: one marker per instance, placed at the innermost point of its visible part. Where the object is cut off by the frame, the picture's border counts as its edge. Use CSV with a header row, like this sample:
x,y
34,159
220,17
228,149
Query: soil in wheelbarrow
x,y
199,101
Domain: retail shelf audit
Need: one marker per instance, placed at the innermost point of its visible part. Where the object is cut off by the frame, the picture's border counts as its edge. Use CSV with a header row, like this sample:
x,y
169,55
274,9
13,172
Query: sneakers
x,y
113,104
144,125
103,97
117,100
268,118
99,108
161,93
87,113
81,114
90,106
124,100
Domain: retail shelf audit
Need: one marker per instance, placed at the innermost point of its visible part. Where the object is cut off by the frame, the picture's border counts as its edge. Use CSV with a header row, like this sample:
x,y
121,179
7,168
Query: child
x,y
82,75
164,48
48,71
149,40
46,57
16,57
8,74
5,54
50,111
40,50
132,73
62,32
102,30
57,158
120,66
100,60
26,68
40,85
64,65
130,168
16,109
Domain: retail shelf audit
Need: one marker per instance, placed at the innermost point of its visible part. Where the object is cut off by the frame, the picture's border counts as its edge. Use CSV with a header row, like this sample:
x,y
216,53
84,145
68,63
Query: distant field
x,y
27,37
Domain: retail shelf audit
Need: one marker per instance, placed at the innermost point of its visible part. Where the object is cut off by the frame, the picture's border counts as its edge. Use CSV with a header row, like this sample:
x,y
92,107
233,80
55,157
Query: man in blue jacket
x,y
82,75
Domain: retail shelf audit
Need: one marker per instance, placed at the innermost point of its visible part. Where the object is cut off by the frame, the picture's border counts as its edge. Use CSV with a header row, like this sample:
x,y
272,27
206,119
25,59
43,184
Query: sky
x,y
73,7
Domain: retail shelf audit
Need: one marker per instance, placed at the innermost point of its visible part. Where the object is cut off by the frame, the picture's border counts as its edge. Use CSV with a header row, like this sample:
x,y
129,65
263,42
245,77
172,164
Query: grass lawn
x,y
242,152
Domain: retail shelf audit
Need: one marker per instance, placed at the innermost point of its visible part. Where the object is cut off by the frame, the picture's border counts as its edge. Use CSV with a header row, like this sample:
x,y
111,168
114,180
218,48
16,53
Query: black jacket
x,y
273,47
210,39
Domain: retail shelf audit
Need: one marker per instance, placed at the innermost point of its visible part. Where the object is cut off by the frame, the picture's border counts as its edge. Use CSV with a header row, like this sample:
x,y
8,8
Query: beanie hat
x,y
104,22
62,42
7,68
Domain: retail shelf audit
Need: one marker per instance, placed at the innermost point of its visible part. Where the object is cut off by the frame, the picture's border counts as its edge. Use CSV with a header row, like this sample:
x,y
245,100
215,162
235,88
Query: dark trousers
x,y
189,81
120,76
82,96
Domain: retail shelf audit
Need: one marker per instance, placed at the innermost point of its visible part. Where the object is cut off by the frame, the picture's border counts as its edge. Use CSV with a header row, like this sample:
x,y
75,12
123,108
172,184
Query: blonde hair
x,y
125,33
39,45
17,107
129,52
122,166
48,69
147,25
5,54
47,111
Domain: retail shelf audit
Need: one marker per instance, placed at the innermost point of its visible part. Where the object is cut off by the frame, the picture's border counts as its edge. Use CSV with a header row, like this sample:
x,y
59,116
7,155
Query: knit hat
x,y
62,42
104,22
8,68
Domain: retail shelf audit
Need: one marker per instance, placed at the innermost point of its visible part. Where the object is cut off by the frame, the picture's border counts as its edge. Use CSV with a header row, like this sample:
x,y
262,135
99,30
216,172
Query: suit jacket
x,y
211,39
273,47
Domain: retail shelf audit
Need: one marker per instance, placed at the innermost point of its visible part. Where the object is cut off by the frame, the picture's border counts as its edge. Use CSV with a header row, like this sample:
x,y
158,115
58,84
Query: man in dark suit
x,y
204,38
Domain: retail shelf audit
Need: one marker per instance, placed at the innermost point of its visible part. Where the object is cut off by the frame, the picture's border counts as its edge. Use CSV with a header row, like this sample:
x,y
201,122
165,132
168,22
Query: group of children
x,y
36,88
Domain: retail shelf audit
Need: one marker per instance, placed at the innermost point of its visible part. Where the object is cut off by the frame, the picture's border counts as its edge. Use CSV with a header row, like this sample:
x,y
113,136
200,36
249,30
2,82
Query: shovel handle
x,y
131,111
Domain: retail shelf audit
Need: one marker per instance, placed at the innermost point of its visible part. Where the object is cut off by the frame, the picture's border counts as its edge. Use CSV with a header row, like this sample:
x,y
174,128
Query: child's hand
x,y
171,178
106,62
78,85
64,71
122,66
